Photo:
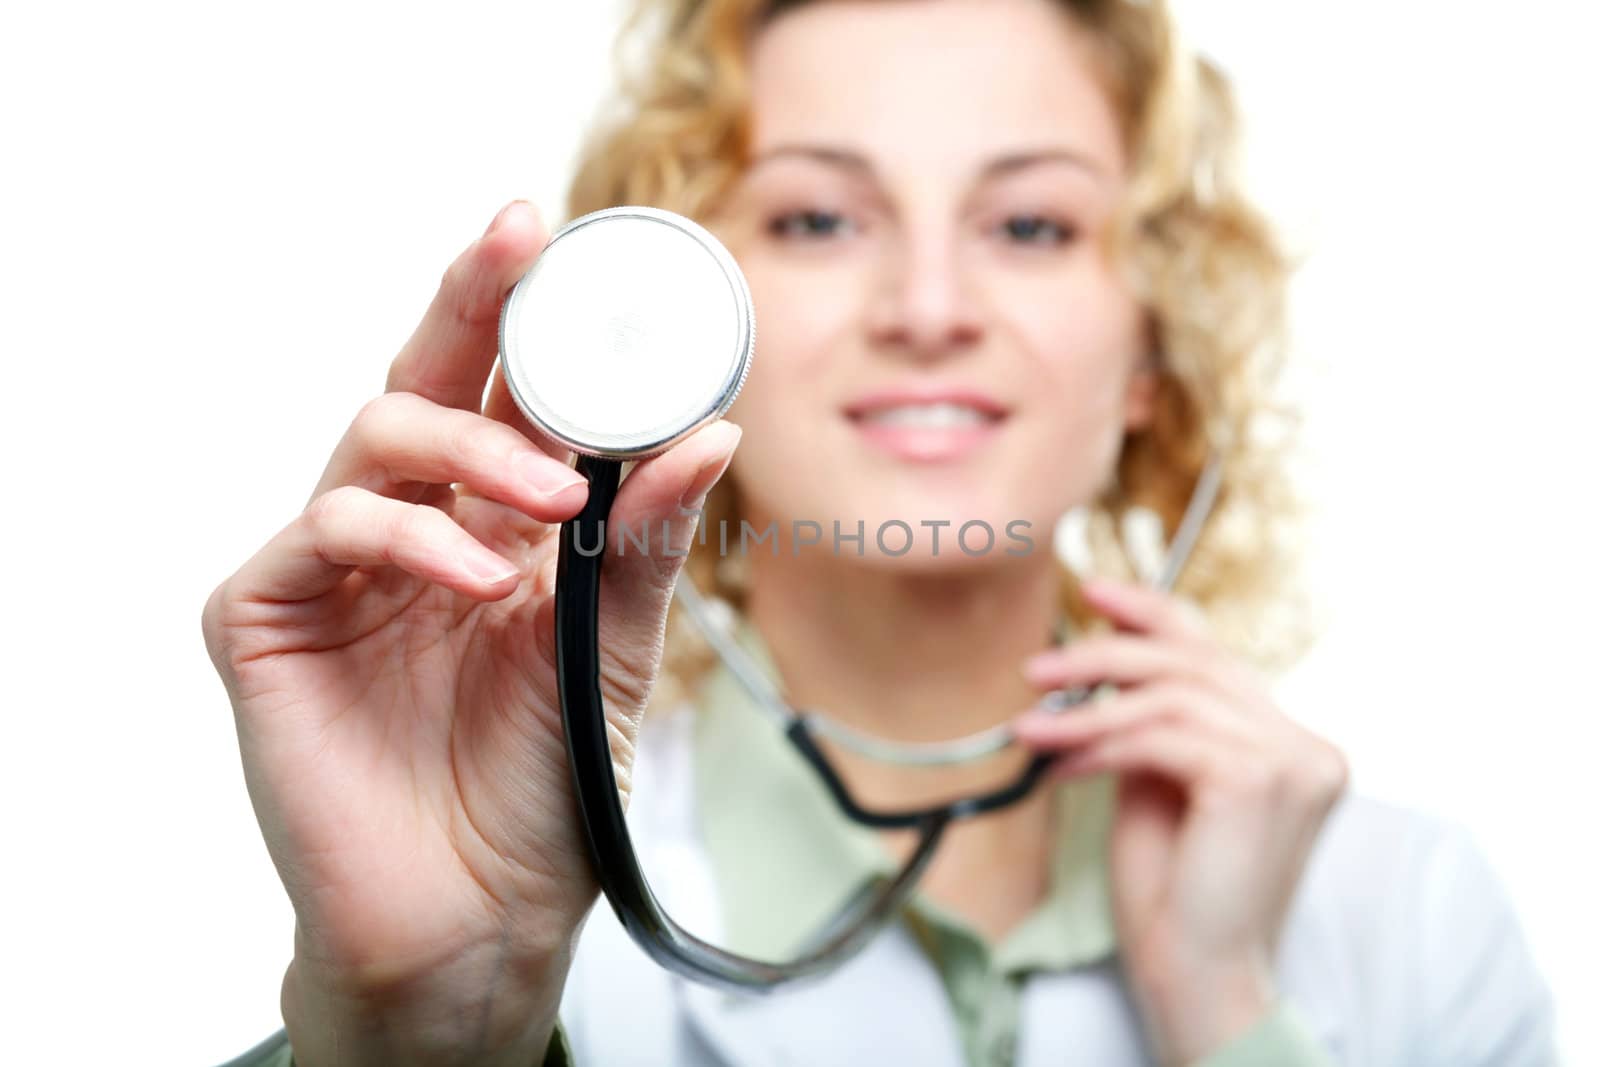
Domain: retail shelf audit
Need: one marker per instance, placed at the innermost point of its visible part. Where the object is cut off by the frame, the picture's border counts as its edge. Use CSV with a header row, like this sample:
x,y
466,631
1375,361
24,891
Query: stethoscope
x,y
634,328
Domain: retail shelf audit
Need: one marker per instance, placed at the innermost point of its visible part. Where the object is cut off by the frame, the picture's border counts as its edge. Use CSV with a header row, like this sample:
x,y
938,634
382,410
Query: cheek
x,y
1085,338
1081,348
803,321
801,318
804,303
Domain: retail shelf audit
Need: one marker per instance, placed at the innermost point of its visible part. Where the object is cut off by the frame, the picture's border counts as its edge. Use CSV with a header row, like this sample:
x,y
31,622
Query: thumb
x,y
648,535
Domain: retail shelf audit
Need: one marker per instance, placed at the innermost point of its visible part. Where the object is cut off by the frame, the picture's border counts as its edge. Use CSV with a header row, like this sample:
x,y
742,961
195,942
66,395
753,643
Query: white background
x,y
219,221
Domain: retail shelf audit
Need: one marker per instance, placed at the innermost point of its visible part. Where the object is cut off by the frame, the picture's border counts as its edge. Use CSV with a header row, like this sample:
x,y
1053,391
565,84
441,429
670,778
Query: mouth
x,y
927,427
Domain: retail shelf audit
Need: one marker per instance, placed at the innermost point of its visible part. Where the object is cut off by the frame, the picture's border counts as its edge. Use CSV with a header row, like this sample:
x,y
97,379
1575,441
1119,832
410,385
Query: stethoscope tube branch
x,y
799,735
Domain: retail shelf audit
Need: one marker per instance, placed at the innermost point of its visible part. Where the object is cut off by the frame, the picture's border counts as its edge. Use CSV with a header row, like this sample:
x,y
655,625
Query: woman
x,y
1002,270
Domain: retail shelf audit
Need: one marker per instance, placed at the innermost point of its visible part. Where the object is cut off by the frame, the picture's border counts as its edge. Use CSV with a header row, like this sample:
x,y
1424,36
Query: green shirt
x,y
784,858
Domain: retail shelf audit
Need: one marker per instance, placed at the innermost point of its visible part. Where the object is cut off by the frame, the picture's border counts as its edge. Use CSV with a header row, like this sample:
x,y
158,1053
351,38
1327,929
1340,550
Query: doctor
x,y
1001,270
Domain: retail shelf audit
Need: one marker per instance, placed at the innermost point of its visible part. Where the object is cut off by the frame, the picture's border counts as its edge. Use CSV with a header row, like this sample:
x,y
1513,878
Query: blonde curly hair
x,y
1206,265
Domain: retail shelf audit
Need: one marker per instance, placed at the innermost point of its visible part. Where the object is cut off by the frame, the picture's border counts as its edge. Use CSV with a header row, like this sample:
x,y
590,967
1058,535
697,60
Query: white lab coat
x,y
1401,950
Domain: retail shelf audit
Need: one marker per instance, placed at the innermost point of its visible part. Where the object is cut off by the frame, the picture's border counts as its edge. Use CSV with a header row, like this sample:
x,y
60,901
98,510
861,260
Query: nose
x,y
922,306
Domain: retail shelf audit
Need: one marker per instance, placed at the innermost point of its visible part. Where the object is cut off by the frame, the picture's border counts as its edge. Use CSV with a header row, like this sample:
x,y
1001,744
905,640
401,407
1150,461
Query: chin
x,y
930,534
950,562
947,524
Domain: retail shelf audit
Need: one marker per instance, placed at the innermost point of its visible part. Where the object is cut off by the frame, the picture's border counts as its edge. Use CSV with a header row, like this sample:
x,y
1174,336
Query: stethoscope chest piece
x,y
632,329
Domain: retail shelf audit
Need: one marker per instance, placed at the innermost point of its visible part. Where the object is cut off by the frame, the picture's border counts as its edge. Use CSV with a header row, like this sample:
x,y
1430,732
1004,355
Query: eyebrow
x,y
1000,165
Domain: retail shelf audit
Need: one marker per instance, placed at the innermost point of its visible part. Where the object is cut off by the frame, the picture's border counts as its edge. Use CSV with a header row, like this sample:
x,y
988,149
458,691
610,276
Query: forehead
x,y
931,86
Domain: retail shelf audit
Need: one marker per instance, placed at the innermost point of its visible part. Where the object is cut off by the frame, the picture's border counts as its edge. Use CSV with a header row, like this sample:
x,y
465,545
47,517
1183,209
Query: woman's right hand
x,y
390,660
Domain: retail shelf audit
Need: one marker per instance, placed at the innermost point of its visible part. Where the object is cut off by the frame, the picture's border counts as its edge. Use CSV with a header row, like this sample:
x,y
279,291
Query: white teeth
x,y
941,416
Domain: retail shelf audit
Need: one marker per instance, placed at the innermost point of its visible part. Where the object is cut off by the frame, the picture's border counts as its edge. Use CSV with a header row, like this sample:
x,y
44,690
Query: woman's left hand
x,y
1220,797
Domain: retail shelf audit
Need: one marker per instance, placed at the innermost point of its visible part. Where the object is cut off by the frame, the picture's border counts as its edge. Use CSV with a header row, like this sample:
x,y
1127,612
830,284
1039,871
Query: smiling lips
x,y
927,426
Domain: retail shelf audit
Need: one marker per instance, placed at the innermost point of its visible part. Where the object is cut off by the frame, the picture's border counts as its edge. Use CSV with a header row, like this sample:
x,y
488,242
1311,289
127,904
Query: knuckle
x,y
228,627
474,443
461,290
326,509
367,428
415,524
1085,655
1087,652
1260,779
1168,702
458,273
378,417
212,626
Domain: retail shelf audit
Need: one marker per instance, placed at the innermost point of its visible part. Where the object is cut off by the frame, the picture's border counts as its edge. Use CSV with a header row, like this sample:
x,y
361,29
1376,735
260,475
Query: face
x,y
940,337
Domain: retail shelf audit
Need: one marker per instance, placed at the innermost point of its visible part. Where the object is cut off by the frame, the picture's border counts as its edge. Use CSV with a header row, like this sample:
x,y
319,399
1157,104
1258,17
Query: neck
x,y
907,656
920,657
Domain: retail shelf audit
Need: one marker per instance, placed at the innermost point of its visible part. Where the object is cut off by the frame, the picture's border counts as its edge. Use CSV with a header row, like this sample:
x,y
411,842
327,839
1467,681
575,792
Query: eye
x,y
808,225
1038,230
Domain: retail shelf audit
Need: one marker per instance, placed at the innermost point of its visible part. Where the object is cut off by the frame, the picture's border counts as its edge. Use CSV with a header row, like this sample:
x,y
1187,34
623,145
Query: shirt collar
x,y
786,859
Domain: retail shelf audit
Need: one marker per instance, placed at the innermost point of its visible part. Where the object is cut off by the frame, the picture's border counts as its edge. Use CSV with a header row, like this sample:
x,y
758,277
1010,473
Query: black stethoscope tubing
x,y
613,857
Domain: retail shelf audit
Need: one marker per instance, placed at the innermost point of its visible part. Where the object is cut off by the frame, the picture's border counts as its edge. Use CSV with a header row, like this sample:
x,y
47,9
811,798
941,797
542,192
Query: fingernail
x,y
500,216
694,497
488,567
548,476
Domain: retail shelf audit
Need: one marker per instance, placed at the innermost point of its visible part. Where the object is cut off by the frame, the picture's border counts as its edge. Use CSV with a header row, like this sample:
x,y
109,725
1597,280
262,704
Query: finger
x,y
449,355
349,527
1147,610
401,439
1171,701
1174,751
649,534
1119,658
502,408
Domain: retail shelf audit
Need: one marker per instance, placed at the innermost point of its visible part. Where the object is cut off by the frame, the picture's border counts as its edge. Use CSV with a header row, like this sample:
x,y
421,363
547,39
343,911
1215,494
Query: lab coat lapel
x,y
1079,1018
